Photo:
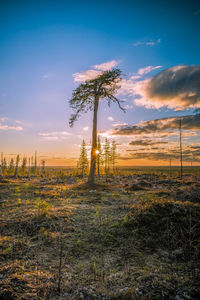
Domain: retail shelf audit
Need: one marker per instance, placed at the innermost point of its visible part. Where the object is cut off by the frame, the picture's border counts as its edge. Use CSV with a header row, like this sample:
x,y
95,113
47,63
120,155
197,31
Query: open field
x,y
124,171
135,235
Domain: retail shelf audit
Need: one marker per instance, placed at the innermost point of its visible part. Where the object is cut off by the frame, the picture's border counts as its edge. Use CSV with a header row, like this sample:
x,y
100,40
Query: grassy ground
x,y
69,241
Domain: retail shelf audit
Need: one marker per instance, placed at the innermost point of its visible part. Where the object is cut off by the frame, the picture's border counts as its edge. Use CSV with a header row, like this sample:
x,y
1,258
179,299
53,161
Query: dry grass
x,y
102,258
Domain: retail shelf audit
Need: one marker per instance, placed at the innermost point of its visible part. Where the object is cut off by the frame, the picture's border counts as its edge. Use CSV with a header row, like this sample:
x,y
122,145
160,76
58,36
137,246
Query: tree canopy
x,y
103,86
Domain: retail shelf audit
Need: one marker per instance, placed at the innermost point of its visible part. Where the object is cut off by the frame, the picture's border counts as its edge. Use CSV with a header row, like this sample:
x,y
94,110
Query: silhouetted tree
x,y
4,167
99,157
35,163
24,162
113,155
32,166
107,156
1,173
17,165
11,167
43,166
87,96
83,160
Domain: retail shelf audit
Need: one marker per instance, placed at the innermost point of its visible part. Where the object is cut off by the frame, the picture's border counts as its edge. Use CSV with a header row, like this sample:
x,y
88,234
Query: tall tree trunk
x,y
91,177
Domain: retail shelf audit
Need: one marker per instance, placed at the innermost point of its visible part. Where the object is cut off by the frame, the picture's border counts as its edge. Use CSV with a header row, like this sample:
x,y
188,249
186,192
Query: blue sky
x,y
43,43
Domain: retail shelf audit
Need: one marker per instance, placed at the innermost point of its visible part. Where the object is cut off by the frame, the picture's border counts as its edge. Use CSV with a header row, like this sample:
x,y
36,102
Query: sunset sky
x,y
47,48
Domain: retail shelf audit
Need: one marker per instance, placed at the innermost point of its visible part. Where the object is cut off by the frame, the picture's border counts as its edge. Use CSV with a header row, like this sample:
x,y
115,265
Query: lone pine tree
x,y
86,98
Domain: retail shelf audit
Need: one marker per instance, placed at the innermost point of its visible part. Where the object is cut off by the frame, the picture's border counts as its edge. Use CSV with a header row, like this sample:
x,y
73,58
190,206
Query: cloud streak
x,y
148,69
190,154
5,127
54,135
165,126
146,143
147,43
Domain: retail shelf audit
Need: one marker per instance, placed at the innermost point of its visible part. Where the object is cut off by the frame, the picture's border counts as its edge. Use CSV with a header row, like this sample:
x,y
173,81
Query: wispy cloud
x,y
147,142
3,119
55,135
95,71
110,119
119,124
19,122
85,128
128,106
147,43
6,125
148,69
107,65
86,75
47,75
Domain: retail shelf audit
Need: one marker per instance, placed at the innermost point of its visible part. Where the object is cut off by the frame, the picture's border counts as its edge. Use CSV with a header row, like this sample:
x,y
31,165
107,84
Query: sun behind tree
x,y
86,98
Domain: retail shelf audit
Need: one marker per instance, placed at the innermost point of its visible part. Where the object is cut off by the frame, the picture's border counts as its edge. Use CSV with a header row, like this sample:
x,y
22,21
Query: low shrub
x,y
163,223
42,206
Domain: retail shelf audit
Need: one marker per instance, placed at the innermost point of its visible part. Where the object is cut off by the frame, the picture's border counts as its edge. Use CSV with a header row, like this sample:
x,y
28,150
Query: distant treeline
x,y
22,166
